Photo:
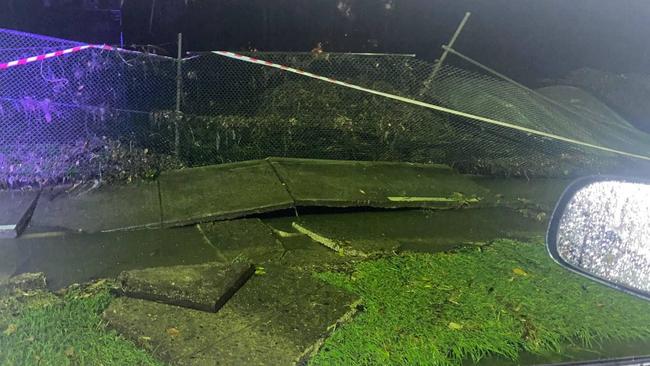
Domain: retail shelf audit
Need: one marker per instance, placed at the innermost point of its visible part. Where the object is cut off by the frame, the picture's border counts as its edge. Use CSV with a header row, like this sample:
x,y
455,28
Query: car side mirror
x,y
600,228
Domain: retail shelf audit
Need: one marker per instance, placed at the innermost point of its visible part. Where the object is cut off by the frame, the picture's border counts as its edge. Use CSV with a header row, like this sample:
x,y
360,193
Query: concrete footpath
x,y
193,218
220,192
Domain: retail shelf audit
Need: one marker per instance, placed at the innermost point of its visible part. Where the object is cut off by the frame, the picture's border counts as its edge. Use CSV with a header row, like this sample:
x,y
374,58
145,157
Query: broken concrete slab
x,y
188,337
68,258
250,239
375,184
221,192
204,287
107,208
279,318
16,209
297,306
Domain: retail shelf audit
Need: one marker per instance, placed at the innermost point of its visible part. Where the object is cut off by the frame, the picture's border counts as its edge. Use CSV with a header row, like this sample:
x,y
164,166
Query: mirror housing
x,y
600,229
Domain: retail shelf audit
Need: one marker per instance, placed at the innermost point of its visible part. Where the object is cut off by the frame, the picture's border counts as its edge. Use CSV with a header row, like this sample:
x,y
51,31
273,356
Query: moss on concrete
x,y
204,287
277,318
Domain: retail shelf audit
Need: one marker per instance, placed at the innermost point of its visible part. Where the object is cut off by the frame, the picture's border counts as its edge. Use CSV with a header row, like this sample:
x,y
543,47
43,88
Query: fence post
x,y
438,64
179,95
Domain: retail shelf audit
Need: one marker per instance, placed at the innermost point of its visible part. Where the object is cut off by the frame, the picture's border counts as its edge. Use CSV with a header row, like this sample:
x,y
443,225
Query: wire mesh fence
x,y
15,44
311,118
257,111
82,115
110,114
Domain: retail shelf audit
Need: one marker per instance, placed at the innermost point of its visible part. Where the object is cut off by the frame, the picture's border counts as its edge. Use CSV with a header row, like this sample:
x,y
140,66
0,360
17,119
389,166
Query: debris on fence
x,y
100,112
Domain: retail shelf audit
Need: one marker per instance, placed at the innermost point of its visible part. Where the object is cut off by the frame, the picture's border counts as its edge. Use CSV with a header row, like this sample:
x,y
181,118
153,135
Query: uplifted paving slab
x,y
248,239
204,287
16,209
375,184
227,191
68,258
107,208
279,318
221,192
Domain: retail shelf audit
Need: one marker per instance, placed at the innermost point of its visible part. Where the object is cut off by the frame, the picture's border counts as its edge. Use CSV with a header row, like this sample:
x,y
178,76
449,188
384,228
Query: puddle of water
x,y
9,258
606,350
542,191
72,257
418,230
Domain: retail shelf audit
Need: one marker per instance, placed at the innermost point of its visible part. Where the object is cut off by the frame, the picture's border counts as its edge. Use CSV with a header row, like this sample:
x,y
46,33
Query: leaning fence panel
x,y
279,94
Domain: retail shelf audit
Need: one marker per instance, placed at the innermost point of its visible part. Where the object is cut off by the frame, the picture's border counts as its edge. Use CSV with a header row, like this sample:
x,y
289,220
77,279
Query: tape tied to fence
x,y
54,54
432,106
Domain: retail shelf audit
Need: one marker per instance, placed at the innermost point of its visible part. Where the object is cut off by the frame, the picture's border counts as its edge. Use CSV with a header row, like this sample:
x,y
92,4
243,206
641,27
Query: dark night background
x,y
528,40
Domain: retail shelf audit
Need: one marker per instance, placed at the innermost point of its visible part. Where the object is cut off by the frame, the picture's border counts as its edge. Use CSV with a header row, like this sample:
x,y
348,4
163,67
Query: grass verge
x,y
67,331
446,308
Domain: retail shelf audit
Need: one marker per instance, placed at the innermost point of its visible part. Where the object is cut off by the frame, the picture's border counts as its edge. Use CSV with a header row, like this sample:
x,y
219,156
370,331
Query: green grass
x,y
441,309
67,332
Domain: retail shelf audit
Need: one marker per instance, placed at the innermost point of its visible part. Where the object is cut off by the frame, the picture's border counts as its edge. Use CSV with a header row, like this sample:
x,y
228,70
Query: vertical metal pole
x,y
121,28
179,94
445,52
153,9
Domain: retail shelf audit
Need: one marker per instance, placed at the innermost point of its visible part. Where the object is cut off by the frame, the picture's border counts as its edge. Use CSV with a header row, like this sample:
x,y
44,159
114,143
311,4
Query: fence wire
x,y
16,44
100,114
325,120
83,115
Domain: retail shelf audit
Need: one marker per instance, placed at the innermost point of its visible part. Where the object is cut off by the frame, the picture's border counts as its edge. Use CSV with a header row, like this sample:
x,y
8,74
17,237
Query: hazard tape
x,y
285,68
430,106
45,56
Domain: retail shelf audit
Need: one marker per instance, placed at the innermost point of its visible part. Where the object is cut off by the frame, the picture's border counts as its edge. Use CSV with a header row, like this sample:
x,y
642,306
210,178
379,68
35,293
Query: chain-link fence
x,y
81,115
259,110
109,114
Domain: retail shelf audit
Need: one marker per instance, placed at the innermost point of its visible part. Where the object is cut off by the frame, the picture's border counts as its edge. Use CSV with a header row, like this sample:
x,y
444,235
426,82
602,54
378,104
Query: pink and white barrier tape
x,y
45,56
285,68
